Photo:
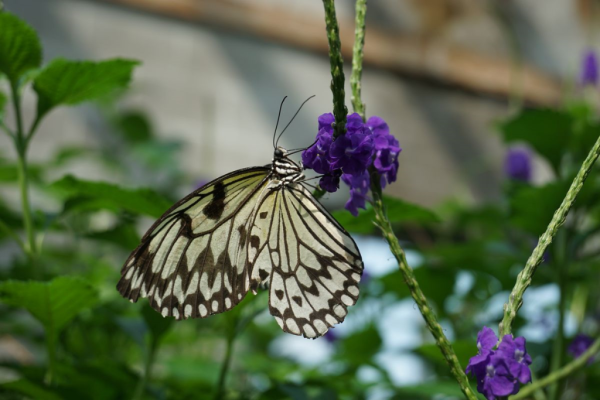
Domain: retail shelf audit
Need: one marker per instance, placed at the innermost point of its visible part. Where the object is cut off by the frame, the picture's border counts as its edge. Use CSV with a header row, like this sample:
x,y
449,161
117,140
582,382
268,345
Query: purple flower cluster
x,y
517,164
579,345
349,156
589,69
499,372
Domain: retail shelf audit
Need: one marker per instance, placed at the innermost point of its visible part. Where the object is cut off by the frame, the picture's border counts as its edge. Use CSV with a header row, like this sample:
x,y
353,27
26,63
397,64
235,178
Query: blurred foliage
x,y
65,333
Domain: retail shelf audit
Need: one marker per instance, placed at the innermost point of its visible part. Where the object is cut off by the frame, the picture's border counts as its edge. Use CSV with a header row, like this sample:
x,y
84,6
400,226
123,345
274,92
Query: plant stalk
x,y
558,345
559,374
141,387
357,58
515,300
415,291
225,366
337,69
21,147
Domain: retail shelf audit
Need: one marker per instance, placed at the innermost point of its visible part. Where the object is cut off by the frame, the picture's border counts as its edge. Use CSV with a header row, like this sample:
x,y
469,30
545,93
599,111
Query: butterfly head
x,y
280,153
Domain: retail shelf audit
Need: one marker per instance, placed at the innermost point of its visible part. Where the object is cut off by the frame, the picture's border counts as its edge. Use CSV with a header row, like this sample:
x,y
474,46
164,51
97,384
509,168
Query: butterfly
x,y
257,227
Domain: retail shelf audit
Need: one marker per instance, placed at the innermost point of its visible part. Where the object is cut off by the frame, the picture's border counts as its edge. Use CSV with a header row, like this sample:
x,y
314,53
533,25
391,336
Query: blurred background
x,y
444,74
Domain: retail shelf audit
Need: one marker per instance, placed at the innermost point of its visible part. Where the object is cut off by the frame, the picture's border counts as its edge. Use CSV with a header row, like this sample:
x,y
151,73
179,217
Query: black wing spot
x,y
254,242
215,208
279,294
263,215
263,274
298,300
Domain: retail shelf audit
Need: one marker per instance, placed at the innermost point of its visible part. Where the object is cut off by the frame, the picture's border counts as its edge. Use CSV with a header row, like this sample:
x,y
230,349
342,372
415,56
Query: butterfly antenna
x,y
292,120
277,124
294,151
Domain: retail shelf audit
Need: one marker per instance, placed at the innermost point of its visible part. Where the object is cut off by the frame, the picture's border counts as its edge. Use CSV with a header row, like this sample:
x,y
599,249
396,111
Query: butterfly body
x,y
253,228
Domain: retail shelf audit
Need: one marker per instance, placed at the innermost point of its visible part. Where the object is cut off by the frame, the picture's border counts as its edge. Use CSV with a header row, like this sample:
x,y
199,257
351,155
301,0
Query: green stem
x,y
337,68
21,146
558,345
7,130
357,57
9,232
557,375
225,366
415,291
141,387
51,349
526,275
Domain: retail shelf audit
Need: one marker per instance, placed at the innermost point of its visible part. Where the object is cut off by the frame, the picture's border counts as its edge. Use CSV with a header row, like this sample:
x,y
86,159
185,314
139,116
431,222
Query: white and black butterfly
x,y
254,227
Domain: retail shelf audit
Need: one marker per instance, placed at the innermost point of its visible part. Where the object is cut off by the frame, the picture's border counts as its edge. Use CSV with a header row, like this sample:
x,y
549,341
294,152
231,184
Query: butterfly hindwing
x,y
312,264
192,261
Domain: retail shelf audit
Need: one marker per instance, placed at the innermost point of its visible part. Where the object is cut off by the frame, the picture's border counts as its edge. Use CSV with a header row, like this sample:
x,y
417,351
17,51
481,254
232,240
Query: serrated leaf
x,y
398,211
64,82
547,131
20,48
53,303
110,196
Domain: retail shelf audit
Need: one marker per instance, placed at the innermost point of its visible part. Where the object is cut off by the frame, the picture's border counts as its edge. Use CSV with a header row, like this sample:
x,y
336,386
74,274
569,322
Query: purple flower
x,y
316,157
486,340
387,150
515,357
589,69
330,182
517,164
331,336
377,126
353,151
359,187
326,122
498,372
497,380
579,345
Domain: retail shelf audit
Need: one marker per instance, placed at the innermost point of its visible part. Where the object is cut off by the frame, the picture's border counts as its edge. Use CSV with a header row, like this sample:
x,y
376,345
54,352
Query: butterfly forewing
x,y
194,269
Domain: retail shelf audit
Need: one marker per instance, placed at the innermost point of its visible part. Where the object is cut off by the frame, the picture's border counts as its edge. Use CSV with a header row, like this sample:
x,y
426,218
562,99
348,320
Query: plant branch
x,y
141,387
21,146
415,290
526,275
337,68
5,228
225,366
357,58
559,374
6,129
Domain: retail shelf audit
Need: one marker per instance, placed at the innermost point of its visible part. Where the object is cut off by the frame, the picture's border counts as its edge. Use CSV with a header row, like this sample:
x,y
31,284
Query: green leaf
x,y
156,323
547,131
110,196
30,389
398,211
53,303
360,347
64,82
436,283
123,235
533,207
464,349
20,48
135,126
430,390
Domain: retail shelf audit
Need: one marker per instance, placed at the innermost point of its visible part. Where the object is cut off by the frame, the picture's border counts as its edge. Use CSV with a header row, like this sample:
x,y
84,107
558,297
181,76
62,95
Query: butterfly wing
x,y
311,263
192,261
